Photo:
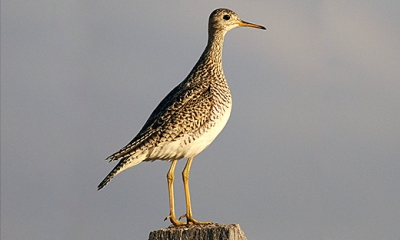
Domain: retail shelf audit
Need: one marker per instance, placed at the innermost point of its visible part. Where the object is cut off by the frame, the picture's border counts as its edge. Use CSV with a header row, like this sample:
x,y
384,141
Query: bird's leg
x,y
170,180
185,177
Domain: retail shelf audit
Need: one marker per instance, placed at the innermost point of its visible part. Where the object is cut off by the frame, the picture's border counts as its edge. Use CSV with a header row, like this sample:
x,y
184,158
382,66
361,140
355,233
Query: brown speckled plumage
x,y
189,118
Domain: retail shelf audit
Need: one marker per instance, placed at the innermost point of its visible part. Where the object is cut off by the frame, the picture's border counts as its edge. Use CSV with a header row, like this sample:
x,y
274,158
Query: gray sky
x,y
311,150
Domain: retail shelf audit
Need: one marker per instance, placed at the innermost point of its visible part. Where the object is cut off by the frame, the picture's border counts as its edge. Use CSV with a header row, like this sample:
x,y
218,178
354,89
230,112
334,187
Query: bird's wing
x,y
173,116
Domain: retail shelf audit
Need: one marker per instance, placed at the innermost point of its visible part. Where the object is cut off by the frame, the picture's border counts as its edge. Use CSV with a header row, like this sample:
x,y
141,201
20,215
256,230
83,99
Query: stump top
x,y
199,232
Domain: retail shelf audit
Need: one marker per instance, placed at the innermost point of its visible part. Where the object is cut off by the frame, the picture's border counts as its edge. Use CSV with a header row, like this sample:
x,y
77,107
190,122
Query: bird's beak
x,y
247,24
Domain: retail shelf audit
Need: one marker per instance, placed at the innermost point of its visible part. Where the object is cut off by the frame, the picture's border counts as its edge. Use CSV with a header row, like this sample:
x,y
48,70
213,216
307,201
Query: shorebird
x,y
189,118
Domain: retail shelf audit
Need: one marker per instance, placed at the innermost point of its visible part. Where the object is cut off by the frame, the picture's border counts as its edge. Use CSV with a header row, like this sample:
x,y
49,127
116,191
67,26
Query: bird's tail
x,y
123,164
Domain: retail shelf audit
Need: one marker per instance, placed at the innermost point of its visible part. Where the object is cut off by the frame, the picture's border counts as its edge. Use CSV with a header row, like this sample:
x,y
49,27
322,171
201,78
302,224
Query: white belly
x,y
191,144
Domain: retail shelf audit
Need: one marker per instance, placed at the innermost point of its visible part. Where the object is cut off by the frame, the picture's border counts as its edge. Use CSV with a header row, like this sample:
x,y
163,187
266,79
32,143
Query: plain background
x,y
311,150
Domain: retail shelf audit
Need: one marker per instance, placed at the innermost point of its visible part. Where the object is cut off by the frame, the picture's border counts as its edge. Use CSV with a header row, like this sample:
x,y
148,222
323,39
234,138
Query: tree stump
x,y
199,232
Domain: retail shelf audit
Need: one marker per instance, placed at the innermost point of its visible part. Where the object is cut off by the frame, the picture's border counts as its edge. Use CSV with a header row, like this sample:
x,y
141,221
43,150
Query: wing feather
x,y
173,116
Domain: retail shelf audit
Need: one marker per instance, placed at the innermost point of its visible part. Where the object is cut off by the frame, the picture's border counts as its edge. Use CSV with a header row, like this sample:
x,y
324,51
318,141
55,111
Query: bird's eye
x,y
226,17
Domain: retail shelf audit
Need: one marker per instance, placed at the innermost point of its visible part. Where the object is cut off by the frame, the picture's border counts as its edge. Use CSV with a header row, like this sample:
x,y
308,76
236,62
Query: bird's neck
x,y
213,52
211,57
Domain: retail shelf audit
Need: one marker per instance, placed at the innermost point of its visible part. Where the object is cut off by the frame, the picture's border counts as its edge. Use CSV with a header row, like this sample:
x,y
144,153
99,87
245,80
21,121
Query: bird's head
x,y
223,20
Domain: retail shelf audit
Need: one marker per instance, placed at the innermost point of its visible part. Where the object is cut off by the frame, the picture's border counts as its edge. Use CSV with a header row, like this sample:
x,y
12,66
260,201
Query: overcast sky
x,y
311,150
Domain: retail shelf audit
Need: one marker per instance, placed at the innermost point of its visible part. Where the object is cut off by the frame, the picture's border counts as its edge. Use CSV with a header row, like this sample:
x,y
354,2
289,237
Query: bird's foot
x,y
191,221
174,221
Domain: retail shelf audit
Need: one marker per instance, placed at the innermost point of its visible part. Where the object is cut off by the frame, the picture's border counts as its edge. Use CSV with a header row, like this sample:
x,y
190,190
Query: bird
x,y
188,119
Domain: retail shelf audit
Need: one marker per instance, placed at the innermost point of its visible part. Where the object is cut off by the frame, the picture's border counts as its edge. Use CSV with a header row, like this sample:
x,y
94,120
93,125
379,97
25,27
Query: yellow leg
x,y
170,180
185,177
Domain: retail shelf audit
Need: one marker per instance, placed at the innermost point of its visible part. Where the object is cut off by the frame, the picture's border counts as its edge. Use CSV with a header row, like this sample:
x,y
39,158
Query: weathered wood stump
x,y
200,232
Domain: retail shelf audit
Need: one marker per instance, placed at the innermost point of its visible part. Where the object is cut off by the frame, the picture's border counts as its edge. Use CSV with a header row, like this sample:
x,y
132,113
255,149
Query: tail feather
x,y
124,152
116,170
123,164
128,150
